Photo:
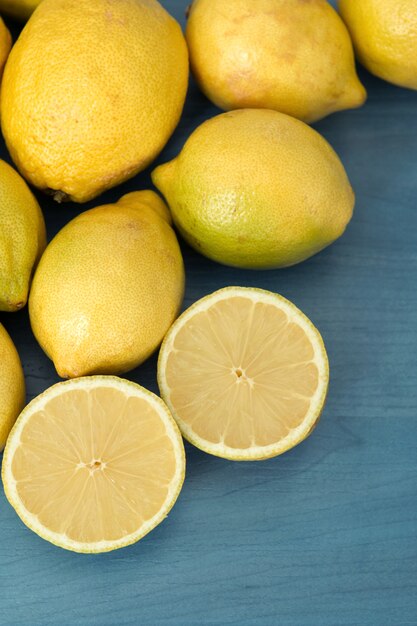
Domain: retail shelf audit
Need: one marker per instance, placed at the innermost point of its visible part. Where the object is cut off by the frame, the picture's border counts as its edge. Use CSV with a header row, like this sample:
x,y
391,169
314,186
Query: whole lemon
x,y
19,9
22,238
12,386
258,189
91,93
384,35
108,287
289,55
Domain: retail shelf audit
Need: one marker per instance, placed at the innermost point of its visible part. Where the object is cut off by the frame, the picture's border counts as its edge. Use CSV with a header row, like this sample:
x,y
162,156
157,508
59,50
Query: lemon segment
x,y
94,464
244,373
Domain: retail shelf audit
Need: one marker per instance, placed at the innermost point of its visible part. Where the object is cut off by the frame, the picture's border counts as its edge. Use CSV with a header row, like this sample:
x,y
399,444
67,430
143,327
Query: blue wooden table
x,y
327,533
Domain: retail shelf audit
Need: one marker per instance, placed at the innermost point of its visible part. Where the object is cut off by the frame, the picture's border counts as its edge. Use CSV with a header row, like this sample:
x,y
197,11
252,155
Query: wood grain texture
x,y
327,533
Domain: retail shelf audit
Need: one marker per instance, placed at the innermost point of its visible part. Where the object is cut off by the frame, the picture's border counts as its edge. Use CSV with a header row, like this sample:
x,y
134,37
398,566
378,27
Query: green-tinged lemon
x,y
258,189
22,238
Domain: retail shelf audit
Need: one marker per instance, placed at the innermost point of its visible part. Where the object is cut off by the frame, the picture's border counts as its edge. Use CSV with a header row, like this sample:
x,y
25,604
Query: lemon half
x,y
94,464
244,373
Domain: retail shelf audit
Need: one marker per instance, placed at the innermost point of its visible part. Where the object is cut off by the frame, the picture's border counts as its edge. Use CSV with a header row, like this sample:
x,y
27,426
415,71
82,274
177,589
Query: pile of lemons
x,y
91,92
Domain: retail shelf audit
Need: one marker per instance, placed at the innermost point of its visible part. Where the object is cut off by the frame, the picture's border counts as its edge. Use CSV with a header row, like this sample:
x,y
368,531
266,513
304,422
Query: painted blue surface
x,y
327,533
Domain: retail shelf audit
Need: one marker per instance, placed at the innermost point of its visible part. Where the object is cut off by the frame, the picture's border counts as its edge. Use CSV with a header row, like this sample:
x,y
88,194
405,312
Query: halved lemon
x,y
244,373
93,464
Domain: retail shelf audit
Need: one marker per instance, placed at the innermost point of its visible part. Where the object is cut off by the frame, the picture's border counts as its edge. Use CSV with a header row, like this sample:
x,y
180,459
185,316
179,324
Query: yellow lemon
x,y
19,9
108,287
91,93
22,238
12,386
94,464
256,188
384,35
5,44
289,55
245,374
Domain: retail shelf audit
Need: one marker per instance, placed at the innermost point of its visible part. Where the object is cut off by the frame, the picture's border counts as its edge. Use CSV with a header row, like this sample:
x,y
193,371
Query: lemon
x,y
108,287
244,373
385,37
289,55
91,93
22,238
12,386
5,44
18,9
94,464
257,189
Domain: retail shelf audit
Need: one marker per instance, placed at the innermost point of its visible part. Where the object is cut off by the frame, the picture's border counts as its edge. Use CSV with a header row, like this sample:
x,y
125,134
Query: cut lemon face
x,y
93,464
244,373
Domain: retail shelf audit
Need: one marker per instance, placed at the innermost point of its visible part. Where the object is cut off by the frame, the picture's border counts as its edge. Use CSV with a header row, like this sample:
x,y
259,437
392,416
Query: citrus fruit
x,y
258,189
22,238
291,56
18,9
108,287
91,93
384,35
12,386
94,464
5,45
244,373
